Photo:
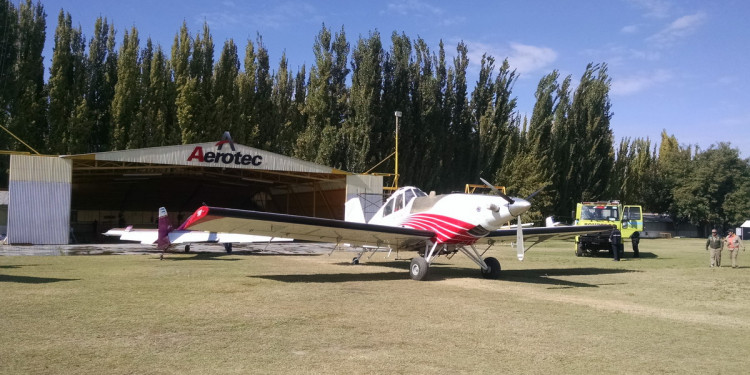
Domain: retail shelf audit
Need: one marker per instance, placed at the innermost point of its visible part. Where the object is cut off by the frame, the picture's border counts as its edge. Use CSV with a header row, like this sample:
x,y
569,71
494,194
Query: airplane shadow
x,y
31,279
442,272
201,256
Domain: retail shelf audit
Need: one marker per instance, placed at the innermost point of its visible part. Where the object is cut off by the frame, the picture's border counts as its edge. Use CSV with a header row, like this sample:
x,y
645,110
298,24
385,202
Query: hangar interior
x,y
107,194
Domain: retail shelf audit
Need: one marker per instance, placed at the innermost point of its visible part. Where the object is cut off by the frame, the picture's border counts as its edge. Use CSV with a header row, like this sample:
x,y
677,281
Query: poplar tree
x,y
282,99
28,107
127,132
396,82
459,154
100,86
225,91
186,86
362,128
263,104
315,142
8,57
66,84
247,129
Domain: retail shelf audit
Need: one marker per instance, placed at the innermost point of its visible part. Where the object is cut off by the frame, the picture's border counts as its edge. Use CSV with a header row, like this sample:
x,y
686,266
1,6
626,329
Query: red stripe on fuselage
x,y
446,229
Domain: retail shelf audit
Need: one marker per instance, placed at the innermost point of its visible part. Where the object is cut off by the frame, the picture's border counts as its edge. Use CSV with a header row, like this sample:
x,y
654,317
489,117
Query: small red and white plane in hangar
x,y
410,220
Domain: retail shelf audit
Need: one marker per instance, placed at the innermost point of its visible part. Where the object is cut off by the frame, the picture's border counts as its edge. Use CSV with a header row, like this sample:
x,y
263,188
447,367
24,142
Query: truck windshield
x,y
608,213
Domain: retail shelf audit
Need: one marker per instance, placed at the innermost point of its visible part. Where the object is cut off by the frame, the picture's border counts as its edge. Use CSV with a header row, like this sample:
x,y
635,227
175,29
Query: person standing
x,y
635,238
714,244
733,245
615,239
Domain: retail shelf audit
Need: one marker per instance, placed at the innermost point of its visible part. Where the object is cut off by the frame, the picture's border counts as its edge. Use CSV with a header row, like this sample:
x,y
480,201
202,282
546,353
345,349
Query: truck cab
x,y
627,218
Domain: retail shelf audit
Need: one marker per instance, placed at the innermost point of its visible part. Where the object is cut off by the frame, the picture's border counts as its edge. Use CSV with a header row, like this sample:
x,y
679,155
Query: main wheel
x,y
580,249
494,271
187,248
228,247
355,260
418,268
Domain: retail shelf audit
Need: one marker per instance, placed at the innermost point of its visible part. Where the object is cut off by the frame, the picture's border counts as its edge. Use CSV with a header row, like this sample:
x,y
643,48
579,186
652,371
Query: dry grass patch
x,y
553,313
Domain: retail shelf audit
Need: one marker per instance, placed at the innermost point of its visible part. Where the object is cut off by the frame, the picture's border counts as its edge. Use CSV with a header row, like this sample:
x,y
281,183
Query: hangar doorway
x,y
108,194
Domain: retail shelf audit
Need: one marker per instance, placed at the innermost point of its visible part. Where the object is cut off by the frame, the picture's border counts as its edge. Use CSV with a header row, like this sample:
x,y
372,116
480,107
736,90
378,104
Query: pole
x,y
395,179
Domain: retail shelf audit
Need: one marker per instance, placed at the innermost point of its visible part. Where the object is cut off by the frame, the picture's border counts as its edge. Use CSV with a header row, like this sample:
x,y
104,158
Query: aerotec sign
x,y
218,157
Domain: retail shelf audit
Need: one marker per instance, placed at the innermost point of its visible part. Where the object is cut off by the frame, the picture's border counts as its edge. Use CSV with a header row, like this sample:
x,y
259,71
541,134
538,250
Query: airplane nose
x,y
519,206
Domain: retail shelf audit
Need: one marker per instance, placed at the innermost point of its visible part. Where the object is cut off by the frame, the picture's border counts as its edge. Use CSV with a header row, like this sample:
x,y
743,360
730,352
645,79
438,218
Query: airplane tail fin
x,y
162,242
353,211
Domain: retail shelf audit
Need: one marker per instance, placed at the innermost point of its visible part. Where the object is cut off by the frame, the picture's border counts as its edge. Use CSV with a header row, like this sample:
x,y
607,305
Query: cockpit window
x,y
399,202
408,196
388,208
419,193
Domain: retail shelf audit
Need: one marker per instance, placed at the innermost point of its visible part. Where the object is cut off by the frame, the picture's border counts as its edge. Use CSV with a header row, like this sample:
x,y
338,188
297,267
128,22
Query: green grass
x,y
667,312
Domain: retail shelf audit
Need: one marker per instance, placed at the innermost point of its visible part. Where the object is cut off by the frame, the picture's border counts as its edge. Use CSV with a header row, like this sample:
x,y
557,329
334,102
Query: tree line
x,y
108,93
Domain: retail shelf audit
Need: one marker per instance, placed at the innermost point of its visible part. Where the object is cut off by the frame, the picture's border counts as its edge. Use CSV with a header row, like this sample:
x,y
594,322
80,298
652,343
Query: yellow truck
x,y
627,218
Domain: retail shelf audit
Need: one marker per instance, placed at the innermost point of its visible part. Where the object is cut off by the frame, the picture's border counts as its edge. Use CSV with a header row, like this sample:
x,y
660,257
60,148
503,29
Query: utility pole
x,y
395,178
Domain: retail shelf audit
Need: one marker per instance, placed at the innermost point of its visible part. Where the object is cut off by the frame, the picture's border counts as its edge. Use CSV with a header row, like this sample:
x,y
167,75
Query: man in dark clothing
x,y
635,238
615,239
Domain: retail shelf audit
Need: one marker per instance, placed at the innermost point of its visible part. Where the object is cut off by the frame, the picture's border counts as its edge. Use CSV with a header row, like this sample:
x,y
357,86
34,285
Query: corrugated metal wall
x,y
39,204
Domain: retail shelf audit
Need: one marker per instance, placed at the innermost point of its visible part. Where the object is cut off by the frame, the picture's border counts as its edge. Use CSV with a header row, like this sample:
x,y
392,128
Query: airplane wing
x,y
149,236
536,235
216,219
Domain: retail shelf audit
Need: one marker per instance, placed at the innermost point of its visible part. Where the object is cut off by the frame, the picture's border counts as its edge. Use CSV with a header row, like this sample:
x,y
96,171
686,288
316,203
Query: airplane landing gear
x,y
418,268
187,248
355,260
228,247
494,268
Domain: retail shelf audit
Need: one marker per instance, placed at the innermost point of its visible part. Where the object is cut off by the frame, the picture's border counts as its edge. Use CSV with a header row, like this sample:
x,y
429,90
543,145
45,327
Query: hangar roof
x,y
223,154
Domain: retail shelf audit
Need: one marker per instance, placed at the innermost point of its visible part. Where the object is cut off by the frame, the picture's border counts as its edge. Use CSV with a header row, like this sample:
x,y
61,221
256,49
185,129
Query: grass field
x,y
667,312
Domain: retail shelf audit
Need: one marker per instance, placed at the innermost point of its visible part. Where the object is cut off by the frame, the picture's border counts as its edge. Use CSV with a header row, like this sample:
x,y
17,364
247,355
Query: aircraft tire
x,y
494,271
228,247
418,268
187,248
355,260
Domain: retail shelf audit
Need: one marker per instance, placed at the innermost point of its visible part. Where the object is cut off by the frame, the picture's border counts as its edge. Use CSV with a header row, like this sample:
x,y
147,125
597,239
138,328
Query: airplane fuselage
x,y
457,219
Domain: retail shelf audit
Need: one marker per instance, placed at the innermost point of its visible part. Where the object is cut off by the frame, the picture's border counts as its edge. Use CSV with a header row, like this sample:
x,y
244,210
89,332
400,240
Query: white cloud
x,y
679,28
653,8
630,29
523,58
638,83
421,9
526,58
275,17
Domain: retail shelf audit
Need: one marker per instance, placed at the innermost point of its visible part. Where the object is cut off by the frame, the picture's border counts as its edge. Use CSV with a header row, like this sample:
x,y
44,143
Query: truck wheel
x,y
580,249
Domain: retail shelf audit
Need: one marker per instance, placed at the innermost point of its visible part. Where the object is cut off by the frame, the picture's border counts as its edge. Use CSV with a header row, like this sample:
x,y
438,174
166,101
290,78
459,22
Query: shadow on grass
x,y
442,272
31,279
628,255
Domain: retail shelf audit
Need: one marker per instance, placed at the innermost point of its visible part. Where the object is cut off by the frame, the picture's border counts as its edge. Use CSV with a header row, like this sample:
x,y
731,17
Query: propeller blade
x,y
536,192
520,250
497,191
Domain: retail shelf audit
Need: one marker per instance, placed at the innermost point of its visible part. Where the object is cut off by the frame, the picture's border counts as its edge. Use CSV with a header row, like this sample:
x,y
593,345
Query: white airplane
x,y
165,236
410,220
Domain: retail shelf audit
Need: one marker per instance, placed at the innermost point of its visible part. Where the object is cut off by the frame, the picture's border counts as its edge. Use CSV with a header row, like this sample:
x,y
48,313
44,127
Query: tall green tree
x,y
365,106
225,91
100,85
127,132
283,105
66,87
319,140
8,57
28,107
247,130
263,104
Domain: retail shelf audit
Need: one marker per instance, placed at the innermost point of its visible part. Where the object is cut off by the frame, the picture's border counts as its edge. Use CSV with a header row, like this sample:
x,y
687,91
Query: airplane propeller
x,y
520,248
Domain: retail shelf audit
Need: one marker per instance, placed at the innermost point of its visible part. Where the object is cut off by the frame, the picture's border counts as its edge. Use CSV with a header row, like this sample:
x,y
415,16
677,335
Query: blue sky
x,y
675,65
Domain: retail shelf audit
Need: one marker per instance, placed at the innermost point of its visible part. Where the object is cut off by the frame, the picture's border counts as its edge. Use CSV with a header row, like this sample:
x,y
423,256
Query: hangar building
x,y
74,198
